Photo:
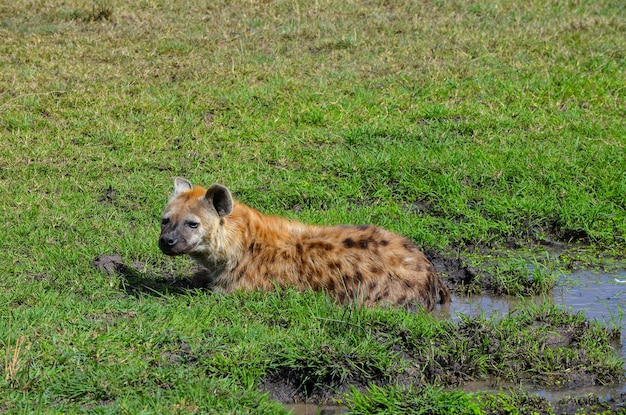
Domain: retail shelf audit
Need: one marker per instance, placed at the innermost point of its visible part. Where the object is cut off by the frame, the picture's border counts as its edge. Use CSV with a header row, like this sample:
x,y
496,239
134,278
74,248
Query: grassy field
x,y
470,127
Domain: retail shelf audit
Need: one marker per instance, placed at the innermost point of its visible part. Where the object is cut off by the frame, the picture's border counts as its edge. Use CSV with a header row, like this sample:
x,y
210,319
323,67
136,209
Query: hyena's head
x,y
192,216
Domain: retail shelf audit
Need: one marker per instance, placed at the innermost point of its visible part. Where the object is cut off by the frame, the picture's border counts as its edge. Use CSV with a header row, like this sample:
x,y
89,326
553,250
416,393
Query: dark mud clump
x,y
286,388
111,264
496,278
456,273
290,386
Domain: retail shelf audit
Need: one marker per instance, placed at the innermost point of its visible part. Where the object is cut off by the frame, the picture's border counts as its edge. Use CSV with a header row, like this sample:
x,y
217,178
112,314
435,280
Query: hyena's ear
x,y
181,185
220,197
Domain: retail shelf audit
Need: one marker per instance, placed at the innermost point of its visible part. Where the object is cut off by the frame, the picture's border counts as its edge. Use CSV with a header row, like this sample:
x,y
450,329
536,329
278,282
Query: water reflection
x,y
599,296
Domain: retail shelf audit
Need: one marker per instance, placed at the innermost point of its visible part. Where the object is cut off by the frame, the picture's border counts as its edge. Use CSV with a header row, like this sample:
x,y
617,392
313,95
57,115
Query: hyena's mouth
x,y
171,252
173,246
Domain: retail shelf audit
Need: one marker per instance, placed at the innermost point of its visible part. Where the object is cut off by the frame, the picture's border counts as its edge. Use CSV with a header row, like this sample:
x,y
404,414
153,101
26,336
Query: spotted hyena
x,y
243,249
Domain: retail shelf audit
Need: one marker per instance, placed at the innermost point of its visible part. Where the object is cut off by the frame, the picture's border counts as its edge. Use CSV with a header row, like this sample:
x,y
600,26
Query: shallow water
x,y
598,295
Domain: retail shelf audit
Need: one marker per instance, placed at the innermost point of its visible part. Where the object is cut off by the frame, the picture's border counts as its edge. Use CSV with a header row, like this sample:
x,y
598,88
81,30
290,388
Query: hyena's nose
x,y
167,241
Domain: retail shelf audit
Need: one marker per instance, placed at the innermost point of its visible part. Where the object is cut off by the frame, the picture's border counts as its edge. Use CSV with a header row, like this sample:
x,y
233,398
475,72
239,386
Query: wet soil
x,y
457,274
289,387
568,406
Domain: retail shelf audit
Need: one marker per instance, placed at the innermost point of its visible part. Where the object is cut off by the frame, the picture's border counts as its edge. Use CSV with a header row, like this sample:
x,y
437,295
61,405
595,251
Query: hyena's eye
x,y
193,225
165,221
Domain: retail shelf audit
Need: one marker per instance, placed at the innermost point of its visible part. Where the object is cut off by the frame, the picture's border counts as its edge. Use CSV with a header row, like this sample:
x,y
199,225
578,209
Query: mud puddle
x,y
600,296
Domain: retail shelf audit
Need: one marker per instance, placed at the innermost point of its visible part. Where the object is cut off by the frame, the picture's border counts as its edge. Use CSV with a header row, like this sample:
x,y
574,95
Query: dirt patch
x,y
551,233
108,195
457,274
110,264
289,386
178,353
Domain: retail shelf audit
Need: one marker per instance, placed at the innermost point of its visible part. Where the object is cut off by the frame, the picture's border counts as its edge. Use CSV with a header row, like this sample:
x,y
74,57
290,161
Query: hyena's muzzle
x,y
168,243
172,242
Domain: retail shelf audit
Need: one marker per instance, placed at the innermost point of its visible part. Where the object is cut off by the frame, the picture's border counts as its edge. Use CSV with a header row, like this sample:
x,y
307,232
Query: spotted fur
x,y
242,249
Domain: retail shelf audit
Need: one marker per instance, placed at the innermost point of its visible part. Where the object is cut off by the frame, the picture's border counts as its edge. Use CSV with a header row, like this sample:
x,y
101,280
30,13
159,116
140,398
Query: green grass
x,y
159,353
397,400
460,125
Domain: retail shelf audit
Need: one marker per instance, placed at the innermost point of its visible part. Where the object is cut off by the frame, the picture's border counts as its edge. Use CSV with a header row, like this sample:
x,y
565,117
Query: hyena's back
x,y
364,263
243,249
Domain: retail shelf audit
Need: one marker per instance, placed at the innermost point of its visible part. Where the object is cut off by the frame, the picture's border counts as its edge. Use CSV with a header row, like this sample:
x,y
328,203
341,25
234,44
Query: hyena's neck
x,y
243,230
224,244
248,226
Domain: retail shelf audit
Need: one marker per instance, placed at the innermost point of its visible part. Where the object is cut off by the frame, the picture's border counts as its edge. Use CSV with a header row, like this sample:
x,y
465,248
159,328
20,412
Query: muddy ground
x,y
287,388
569,406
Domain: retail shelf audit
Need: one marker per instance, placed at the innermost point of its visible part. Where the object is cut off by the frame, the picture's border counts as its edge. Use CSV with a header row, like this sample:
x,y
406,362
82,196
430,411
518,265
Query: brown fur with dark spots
x,y
244,249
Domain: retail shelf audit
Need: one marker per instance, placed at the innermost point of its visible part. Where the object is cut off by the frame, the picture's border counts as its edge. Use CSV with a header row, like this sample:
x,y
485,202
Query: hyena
x,y
242,249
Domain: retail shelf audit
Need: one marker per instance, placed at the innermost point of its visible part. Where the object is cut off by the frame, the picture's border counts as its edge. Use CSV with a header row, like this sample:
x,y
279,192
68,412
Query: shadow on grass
x,y
136,281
